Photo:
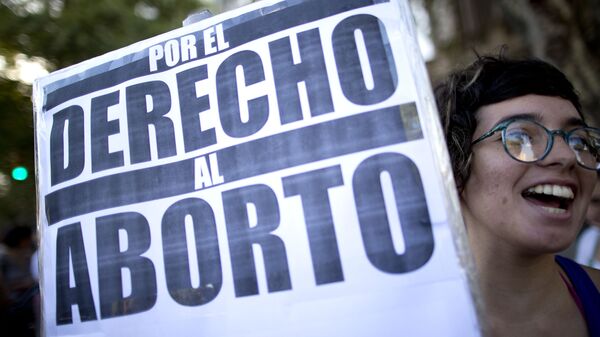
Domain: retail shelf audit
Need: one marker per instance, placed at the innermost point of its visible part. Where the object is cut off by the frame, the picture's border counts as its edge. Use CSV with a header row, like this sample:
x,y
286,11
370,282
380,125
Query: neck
x,y
520,286
508,271
517,288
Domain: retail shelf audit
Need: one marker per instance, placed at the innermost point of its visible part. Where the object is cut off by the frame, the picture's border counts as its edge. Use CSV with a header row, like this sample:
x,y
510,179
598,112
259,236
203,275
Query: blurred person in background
x,y
588,244
18,289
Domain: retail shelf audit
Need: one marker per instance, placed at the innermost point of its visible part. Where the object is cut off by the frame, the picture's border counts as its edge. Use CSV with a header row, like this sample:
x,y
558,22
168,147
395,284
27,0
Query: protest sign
x,y
277,170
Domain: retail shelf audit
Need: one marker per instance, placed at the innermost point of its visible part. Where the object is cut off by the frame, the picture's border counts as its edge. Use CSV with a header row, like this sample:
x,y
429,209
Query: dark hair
x,y
490,80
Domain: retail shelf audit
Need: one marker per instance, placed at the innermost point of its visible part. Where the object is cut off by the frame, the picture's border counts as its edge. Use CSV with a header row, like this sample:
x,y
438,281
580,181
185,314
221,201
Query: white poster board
x,y
277,170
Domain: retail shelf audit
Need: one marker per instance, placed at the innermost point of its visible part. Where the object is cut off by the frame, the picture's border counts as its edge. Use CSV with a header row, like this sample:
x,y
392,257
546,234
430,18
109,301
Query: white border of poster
x,y
277,170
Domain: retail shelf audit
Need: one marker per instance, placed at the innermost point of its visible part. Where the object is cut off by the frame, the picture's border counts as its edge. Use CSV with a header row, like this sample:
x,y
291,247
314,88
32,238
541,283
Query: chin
x,y
547,245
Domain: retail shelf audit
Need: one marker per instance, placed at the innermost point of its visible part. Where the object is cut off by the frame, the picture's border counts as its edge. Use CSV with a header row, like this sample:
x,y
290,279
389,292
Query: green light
x,y
19,173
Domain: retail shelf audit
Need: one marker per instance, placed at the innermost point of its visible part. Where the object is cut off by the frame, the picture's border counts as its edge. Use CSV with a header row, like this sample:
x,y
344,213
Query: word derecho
x,y
147,104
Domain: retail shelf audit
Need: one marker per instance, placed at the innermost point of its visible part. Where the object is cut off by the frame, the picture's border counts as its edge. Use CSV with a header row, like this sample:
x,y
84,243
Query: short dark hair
x,y
489,80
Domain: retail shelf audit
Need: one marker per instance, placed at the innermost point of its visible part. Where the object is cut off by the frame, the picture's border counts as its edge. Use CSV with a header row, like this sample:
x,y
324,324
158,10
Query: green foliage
x,y
62,32
69,31
17,199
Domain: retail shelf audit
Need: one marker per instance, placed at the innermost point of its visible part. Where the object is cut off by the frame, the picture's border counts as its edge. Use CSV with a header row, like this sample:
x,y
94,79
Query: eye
x,y
518,136
585,140
579,143
525,140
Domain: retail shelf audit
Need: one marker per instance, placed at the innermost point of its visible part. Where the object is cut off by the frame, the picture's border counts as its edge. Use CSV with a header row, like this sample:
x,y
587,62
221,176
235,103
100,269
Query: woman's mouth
x,y
554,199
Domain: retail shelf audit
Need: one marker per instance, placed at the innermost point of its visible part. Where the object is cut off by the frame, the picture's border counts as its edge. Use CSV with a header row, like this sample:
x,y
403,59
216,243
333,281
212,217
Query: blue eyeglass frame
x,y
550,143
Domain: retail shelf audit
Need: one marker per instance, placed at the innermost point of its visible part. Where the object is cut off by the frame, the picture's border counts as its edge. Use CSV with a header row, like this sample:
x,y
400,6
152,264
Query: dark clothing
x,y
18,319
586,291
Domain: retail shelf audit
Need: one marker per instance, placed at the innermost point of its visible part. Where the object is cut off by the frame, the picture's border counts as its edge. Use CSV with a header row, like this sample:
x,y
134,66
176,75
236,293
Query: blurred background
x,y
39,36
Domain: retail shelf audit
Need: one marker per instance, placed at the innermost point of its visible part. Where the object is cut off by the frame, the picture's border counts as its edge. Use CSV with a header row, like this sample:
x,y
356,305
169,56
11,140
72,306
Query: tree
x,y
60,33
565,33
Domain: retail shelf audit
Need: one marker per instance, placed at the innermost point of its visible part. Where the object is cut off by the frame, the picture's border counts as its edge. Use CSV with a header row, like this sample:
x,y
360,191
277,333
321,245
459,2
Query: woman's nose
x,y
561,152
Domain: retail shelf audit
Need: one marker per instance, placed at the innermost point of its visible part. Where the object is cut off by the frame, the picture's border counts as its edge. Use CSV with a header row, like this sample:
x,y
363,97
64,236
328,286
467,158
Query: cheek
x,y
489,189
588,180
485,192
492,166
490,180
593,214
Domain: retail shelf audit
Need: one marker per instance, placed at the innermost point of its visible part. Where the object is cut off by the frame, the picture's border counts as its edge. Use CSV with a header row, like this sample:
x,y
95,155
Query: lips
x,y
553,198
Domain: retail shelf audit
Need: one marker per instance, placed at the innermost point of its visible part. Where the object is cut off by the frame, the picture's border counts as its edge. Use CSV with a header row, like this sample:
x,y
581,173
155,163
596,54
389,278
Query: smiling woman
x,y
524,162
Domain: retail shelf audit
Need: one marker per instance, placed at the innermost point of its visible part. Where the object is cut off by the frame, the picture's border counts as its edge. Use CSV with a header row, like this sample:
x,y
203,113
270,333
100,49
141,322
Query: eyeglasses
x,y
528,141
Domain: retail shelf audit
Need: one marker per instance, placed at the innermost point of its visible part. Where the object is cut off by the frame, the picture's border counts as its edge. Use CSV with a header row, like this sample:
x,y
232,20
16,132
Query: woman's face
x,y
498,204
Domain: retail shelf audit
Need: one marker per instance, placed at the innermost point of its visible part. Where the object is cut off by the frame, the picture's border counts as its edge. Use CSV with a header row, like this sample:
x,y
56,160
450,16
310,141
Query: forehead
x,y
552,112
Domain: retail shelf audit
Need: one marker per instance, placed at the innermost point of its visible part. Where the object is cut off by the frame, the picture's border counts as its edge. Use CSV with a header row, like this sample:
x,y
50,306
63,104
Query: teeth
x,y
554,210
548,189
555,190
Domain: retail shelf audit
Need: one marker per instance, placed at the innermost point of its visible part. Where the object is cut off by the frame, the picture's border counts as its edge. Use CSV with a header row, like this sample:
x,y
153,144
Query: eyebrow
x,y
537,117
575,121
530,116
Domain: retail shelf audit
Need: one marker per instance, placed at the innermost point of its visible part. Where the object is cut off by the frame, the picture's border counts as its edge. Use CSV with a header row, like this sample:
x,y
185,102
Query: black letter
x,y
312,188
58,172
227,95
191,106
381,62
69,240
311,70
175,250
241,237
101,129
412,211
111,260
139,118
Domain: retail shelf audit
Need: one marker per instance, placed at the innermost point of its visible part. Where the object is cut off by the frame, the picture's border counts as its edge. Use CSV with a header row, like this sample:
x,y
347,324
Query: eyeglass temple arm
x,y
488,134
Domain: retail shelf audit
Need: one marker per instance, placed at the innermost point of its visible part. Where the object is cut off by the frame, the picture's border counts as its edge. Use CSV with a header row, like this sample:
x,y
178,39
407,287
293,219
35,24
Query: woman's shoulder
x,y
579,273
594,275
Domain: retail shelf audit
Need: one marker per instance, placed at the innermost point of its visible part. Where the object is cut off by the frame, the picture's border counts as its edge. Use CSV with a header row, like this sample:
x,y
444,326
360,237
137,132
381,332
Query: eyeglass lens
x,y
527,141
585,143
